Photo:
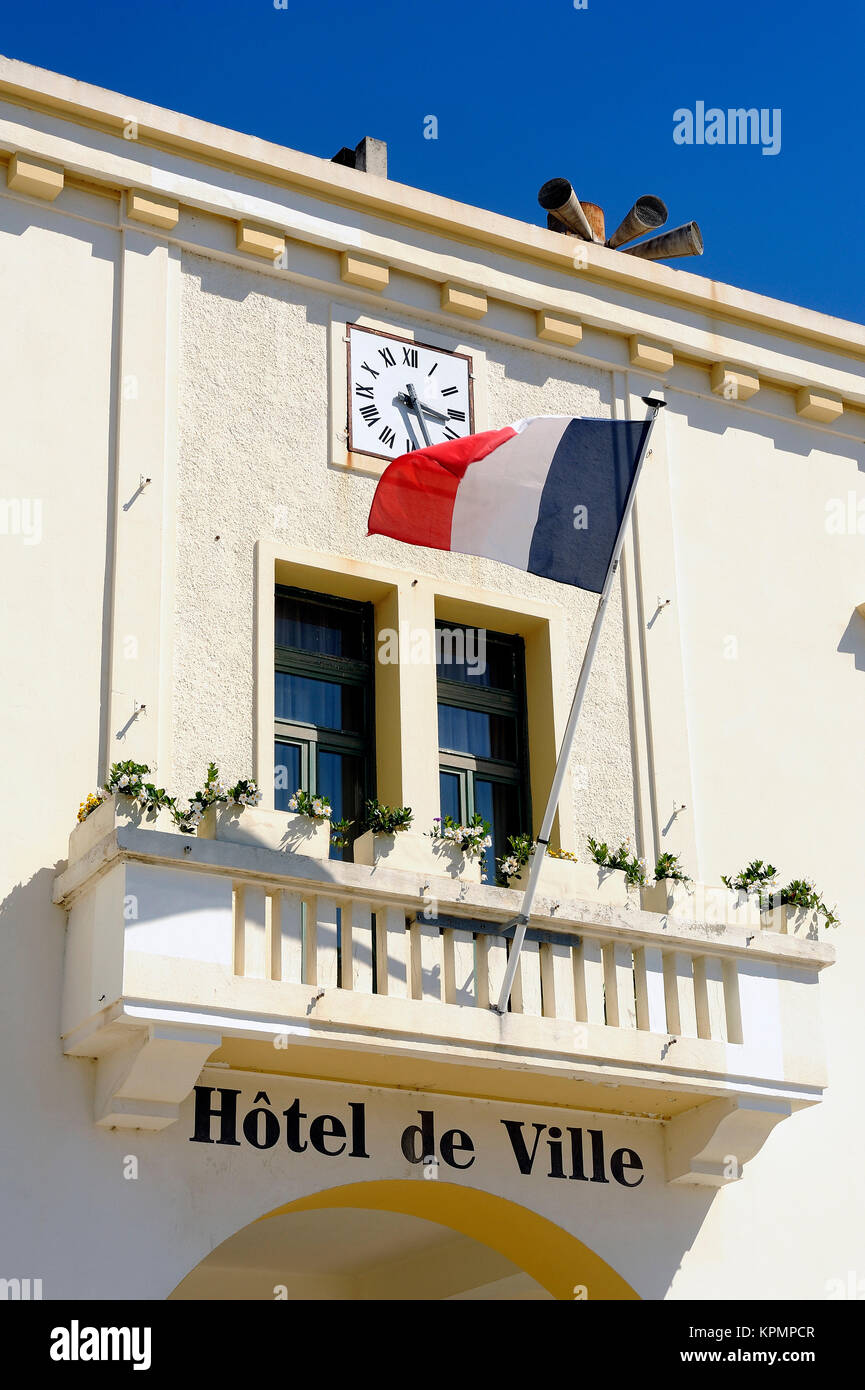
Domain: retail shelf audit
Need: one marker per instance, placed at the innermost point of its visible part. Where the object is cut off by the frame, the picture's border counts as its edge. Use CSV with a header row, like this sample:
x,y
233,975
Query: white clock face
x,y
404,395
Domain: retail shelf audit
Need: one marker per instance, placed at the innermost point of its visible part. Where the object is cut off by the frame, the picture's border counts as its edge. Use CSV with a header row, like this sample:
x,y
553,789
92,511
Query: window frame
x,y
468,767
358,672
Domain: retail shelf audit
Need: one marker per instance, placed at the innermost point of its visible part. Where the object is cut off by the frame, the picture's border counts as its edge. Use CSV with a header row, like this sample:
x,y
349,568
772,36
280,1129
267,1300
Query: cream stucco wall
x,y
253,409
127,353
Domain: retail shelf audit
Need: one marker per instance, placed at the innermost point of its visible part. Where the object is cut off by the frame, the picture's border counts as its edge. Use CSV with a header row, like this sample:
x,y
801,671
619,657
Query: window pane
x,y
498,803
472,731
475,656
317,627
286,773
324,703
449,796
340,779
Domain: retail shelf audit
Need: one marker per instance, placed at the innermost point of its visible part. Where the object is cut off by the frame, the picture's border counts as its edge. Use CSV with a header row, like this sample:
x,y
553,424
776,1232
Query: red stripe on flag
x,y
414,500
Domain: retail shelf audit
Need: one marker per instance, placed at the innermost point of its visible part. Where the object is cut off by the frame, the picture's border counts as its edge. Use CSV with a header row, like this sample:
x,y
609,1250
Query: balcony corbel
x,y
708,1146
141,1083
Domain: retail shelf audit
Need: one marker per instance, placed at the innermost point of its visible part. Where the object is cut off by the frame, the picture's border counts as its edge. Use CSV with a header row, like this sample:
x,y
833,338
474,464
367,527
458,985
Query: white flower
x,y
316,807
487,842
123,781
292,803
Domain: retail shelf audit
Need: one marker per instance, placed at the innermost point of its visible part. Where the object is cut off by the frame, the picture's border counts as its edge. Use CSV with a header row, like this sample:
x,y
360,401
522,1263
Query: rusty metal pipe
x,y
647,215
558,197
679,241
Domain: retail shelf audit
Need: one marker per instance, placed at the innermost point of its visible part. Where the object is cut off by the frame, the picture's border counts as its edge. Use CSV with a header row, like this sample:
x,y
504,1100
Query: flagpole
x,y
521,921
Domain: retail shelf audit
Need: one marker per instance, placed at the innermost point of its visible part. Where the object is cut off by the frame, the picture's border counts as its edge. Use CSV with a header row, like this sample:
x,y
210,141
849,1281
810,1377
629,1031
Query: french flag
x,y
546,495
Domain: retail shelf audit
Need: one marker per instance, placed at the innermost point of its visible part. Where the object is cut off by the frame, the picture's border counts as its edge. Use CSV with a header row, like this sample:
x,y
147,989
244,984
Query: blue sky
x,y
523,92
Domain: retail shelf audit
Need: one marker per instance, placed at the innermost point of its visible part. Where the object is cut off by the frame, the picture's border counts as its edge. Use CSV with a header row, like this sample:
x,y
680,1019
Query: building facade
x,y
203,338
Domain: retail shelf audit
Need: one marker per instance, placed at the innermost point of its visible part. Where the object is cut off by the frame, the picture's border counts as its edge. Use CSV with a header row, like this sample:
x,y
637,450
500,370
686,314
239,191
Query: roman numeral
x,y
410,446
365,367
370,414
363,391
449,390
409,357
432,368
388,356
387,436
457,414
449,434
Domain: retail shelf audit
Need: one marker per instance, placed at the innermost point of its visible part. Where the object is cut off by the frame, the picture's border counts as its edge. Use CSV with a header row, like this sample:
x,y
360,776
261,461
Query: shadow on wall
x,y
32,943
853,638
713,416
226,280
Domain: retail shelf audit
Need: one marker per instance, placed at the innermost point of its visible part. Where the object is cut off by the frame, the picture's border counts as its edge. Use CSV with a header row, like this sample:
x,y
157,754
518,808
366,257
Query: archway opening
x,y
401,1240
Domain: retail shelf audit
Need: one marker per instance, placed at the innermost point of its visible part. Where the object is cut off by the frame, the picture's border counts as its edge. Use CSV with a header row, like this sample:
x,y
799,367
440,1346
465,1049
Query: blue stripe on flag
x,y
593,467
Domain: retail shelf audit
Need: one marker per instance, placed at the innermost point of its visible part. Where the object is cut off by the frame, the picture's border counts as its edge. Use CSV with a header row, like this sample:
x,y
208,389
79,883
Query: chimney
x,y
370,157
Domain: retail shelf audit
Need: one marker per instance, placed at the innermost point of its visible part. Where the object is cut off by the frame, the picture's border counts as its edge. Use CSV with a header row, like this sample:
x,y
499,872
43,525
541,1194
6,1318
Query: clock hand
x,y
427,409
409,426
416,407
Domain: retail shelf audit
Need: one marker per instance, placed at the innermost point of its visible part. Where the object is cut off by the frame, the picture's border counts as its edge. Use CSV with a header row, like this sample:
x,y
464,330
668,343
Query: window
x,y
482,732
323,702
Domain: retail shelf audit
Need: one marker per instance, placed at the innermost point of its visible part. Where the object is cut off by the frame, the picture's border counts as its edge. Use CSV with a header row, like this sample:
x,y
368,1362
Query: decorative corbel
x,y
708,1145
141,1084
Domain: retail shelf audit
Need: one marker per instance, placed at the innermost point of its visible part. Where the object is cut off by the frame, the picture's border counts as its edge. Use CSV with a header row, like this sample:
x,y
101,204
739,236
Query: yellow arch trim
x,y
557,1260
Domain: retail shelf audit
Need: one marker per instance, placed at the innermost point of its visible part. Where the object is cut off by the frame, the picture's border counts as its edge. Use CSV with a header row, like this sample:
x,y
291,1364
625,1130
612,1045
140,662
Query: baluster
x,y
649,989
391,946
589,981
492,959
557,980
286,937
709,997
732,1002
679,994
459,967
526,993
619,985
427,962
321,943
250,931
357,947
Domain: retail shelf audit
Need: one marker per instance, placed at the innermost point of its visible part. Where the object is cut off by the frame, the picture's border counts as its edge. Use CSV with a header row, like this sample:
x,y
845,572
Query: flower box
x,y
792,921
411,853
742,909
280,830
450,860
670,896
565,878
117,811
402,850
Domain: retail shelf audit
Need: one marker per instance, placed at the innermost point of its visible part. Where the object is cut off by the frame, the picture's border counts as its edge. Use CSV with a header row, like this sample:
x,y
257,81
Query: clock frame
x,y
355,446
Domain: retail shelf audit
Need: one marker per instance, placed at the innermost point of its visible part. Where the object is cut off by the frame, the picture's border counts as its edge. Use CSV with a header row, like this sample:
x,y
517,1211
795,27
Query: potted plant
x,y
607,879
388,840
233,814
672,890
748,893
796,910
459,848
125,799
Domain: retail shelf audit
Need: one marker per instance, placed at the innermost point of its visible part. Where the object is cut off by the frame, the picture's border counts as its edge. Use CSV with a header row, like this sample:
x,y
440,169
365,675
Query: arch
x,y
552,1256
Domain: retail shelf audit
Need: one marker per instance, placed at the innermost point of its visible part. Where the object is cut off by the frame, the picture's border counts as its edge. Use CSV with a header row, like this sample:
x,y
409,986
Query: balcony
x,y
183,951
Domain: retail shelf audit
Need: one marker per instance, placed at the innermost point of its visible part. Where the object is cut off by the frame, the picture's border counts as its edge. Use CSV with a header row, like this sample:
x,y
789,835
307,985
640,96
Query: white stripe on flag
x,y
497,501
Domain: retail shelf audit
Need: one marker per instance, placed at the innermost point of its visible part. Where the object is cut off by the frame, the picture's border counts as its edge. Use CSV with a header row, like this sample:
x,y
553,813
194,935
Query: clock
x,y
404,395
